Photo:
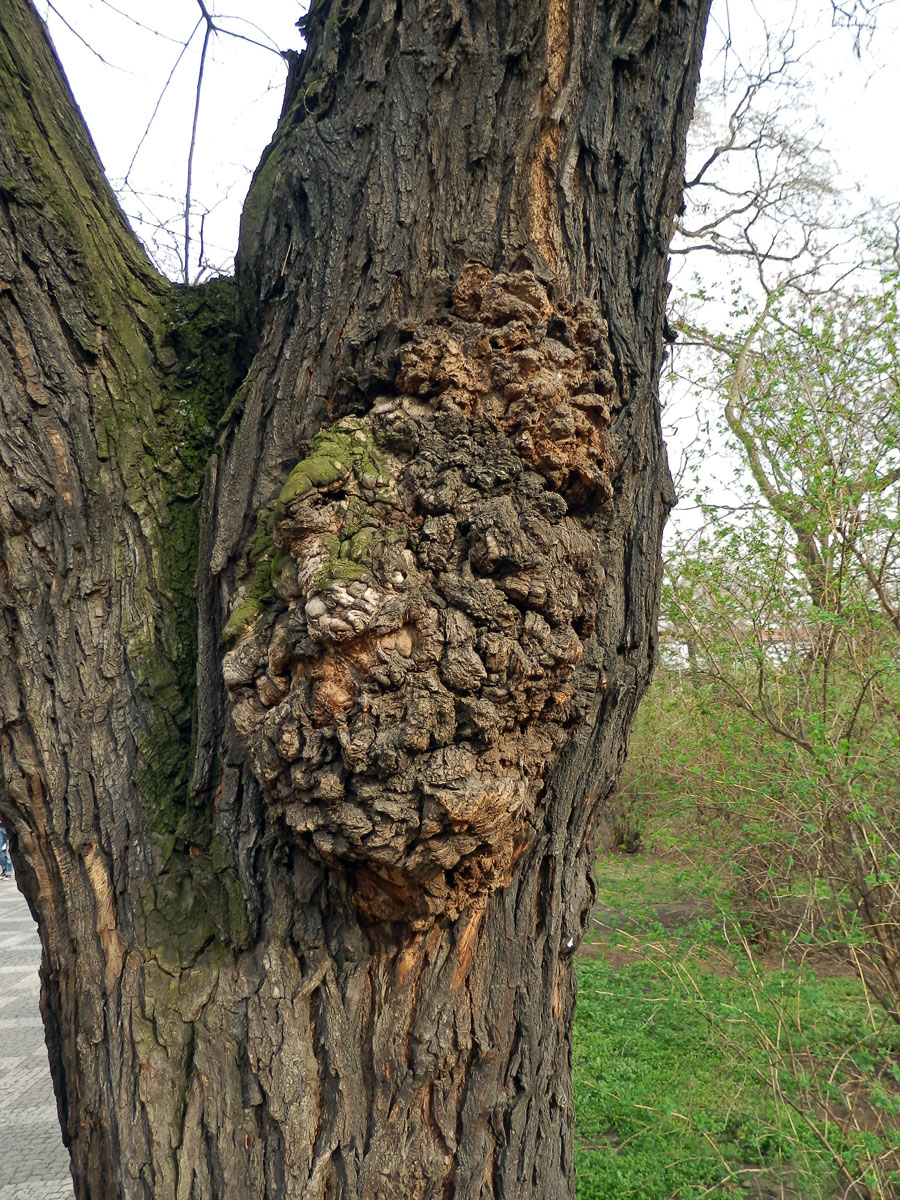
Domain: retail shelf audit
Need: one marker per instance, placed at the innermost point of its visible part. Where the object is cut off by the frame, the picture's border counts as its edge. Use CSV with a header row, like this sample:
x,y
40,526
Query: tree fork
x,y
337,961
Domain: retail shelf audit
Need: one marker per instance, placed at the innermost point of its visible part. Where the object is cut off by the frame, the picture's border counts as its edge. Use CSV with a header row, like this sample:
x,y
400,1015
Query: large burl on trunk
x,y
327,596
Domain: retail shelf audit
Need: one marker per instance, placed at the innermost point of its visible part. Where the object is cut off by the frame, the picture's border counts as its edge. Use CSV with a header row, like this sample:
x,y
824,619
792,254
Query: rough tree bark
x,y
309,871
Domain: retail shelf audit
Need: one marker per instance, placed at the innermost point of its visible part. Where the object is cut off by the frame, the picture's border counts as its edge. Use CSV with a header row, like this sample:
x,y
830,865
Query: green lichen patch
x,y
243,617
336,453
355,554
342,459
280,560
356,546
339,570
346,457
265,561
194,906
261,544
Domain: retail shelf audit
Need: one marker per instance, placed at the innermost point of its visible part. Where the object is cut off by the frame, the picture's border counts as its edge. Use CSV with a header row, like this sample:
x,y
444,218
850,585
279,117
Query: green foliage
x,y
790,610
747,867
764,773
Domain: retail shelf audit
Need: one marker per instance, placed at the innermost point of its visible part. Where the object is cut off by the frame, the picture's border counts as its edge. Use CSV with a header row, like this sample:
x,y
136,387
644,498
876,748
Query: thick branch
x,y
99,467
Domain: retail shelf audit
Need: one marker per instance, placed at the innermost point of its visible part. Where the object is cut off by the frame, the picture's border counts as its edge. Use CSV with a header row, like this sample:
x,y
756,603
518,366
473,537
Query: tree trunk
x,y
310,879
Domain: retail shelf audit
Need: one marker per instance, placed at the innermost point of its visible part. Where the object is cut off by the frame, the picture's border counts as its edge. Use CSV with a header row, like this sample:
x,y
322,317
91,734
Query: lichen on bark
x,y
402,651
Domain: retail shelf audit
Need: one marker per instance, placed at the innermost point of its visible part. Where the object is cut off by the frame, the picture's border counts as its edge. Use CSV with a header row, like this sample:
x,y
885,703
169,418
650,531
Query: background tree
x,y
795,605
301,776
779,703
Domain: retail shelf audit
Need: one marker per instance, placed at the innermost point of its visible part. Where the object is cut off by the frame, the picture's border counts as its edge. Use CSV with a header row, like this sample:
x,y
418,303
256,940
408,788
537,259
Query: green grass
x,y
663,1107
724,1042
694,1071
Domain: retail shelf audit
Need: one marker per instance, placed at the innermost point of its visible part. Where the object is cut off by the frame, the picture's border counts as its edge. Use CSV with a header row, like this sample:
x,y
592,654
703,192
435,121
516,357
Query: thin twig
x,y
210,30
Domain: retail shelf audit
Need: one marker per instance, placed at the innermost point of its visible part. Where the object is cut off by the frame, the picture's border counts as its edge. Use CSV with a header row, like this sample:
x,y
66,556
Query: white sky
x,y
857,96
118,73
847,102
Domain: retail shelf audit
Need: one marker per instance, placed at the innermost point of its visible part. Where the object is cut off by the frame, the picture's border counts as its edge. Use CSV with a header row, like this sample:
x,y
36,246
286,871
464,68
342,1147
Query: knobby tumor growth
x,y
416,600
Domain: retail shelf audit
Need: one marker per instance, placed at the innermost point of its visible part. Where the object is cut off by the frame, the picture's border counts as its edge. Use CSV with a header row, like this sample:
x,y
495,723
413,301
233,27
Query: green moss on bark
x,y
343,451
334,453
200,353
262,556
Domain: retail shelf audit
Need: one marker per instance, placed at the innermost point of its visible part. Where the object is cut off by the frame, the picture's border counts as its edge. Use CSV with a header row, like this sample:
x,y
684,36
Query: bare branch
x,y
210,30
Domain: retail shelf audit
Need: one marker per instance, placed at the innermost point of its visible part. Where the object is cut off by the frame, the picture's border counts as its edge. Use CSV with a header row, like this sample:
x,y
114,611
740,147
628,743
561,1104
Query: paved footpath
x,y
33,1163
